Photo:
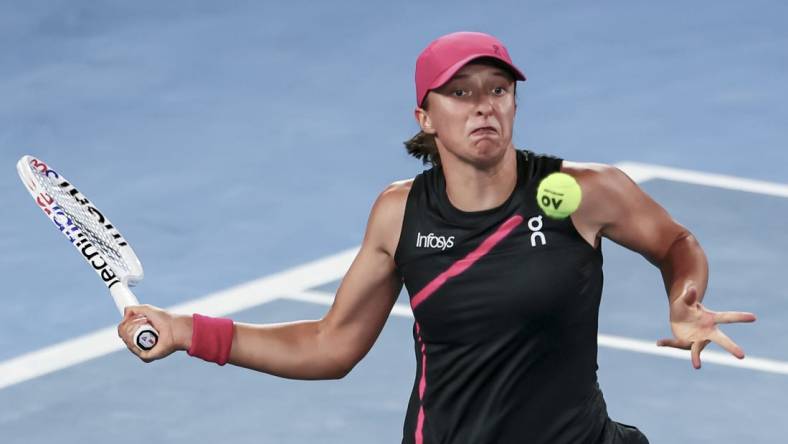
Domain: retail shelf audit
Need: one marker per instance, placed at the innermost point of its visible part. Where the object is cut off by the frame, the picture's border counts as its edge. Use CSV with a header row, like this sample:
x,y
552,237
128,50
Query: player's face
x,y
472,115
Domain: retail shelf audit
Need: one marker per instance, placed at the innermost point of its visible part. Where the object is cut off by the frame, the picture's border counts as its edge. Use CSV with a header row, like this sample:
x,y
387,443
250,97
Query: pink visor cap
x,y
449,53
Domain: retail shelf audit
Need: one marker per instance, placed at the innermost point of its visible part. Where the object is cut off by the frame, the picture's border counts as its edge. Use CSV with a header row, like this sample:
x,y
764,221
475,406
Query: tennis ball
x,y
558,195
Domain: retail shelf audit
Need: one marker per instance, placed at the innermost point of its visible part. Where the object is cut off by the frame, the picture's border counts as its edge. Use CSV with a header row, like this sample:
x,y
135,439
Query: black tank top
x,y
506,303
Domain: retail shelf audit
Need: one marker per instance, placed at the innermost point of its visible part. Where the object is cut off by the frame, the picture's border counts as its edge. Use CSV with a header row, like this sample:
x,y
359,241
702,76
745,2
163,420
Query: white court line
x,y
104,341
609,341
641,172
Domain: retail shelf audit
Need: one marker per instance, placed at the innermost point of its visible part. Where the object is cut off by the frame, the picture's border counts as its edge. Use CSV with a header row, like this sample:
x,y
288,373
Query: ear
x,y
424,120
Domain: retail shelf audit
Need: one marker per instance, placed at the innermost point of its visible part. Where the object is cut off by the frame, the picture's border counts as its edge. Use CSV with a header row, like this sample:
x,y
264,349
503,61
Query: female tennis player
x,y
505,299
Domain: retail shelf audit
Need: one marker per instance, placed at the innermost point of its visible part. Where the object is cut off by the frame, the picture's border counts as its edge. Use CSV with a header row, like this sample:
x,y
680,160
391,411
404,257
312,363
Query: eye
x,y
499,91
460,93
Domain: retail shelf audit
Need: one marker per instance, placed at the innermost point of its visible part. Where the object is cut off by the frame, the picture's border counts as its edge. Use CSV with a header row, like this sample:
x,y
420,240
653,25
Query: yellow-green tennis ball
x,y
559,195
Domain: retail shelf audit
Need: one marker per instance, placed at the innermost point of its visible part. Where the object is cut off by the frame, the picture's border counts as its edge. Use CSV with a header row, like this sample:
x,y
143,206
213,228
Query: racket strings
x,y
88,223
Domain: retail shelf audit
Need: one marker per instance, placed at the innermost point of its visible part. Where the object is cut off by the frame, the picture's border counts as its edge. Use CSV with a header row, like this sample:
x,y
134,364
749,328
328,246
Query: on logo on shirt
x,y
535,225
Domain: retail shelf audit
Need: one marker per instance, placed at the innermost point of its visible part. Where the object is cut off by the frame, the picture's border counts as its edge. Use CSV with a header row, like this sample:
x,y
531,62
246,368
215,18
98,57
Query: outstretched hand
x,y
694,326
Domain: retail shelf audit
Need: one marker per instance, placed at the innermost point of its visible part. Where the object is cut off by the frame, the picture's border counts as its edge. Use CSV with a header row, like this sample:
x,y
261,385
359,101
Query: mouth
x,y
484,131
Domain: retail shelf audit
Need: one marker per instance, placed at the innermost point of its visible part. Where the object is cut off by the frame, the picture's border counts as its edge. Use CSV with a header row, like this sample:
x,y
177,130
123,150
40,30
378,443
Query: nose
x,y
484,105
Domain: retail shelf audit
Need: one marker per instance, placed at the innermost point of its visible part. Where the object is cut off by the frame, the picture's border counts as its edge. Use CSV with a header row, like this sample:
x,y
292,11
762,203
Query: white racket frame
x,y
145,337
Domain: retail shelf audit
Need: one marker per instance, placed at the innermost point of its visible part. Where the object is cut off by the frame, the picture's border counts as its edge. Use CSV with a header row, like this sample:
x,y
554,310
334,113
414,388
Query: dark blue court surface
x,y
234,143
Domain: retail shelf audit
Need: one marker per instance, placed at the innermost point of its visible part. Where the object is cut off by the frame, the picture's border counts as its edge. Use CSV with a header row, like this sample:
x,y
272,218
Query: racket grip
x,y
123,296
146,337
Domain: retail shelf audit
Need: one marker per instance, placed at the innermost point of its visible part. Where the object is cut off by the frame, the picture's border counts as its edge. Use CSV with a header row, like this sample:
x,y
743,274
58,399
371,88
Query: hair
x,y
423,146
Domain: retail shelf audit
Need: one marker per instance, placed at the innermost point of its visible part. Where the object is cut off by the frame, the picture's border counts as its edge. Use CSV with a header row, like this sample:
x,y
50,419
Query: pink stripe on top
x,y
422,389
456,269
463,264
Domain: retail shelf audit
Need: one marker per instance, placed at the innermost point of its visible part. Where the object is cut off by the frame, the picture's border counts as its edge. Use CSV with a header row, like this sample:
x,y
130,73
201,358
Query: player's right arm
x,y
327,348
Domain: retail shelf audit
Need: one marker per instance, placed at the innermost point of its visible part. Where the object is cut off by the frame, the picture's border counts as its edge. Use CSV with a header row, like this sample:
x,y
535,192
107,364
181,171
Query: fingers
x,y
136,316
139,312
696,348
131,329
128,312
675,343
128,317
730,317
132,310
126,329
727,343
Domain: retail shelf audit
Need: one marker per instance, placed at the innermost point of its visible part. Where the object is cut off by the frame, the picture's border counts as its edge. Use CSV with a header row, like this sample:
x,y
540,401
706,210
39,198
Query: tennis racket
x,y
93,235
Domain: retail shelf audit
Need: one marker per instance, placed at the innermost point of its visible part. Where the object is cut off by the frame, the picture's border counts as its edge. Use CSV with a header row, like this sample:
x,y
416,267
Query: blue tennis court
x,y
239,149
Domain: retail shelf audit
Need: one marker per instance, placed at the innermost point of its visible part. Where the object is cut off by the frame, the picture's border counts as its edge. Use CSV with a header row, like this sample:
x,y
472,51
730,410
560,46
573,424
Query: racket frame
x,y
118,281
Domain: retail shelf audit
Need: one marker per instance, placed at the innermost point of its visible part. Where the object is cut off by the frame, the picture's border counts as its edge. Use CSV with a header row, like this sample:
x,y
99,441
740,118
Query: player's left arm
x,y
615,206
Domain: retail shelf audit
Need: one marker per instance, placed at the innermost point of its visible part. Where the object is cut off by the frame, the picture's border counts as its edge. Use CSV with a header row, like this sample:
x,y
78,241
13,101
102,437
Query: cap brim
x,y
449,73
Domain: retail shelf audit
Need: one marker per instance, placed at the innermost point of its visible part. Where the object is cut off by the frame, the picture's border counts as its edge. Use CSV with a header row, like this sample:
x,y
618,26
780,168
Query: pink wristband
x,y
212,338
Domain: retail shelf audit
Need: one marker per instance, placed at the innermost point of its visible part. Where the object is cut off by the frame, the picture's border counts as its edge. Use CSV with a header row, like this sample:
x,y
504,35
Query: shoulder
x,y
597,178
394,196
605,188
615,207
589,170
386,216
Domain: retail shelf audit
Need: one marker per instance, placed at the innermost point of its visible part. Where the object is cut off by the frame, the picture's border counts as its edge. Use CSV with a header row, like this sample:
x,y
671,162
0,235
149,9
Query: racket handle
x,y
146,337
122,296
